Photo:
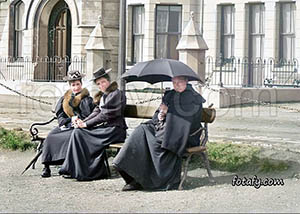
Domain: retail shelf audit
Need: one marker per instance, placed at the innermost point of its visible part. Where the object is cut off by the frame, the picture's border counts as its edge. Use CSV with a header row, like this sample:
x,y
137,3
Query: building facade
x,y
262,35
154,27
253,29
232,28
250,43
46,30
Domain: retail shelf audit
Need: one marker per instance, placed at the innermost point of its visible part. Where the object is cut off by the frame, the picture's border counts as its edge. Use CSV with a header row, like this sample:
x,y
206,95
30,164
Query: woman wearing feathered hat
x,y
75,104
106,125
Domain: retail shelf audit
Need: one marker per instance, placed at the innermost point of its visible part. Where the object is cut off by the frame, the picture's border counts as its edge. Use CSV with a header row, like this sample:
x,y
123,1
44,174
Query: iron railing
x,y
254,73
40,68
234,72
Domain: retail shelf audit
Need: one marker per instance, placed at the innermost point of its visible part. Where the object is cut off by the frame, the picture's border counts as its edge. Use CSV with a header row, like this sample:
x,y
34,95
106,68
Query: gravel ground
x,y
274,129
31,193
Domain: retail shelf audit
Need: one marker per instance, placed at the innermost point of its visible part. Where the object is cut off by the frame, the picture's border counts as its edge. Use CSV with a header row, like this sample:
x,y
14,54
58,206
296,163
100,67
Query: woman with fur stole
x,y
85,159
75,104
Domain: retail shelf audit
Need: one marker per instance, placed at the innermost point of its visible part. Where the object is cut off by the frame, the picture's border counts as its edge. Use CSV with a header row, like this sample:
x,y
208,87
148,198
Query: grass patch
x,y
237,158
231,157
15,140
267,165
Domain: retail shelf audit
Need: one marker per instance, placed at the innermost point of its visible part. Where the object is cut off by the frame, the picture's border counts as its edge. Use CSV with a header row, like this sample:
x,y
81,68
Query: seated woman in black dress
x,y
151,156
75,104
106,125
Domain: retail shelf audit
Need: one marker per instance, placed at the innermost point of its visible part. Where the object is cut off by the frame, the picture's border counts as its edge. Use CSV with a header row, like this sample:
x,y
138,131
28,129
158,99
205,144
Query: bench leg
x,y
186,164
106,164
207,166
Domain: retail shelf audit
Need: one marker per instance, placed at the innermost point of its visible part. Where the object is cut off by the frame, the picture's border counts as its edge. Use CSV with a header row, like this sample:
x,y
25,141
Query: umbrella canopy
x,y
159,70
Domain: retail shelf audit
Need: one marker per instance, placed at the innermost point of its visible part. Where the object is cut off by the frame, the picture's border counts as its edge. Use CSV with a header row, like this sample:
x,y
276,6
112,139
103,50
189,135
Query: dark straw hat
x,y
73,75
100,73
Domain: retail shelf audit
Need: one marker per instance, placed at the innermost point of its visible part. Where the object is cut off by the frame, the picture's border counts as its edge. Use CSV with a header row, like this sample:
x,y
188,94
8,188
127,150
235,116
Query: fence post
x,y
221,65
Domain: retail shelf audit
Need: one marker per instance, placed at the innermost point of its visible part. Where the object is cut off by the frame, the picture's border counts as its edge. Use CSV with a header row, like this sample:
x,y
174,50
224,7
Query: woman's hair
x,y
184,78
70,82
106,76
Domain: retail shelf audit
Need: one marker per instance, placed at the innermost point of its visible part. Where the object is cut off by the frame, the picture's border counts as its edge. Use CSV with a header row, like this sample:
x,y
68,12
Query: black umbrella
x,y
159,70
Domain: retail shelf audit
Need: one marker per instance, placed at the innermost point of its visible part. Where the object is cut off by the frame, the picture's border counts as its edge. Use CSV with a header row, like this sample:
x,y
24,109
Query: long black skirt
x,y
86,151
142,158
55,146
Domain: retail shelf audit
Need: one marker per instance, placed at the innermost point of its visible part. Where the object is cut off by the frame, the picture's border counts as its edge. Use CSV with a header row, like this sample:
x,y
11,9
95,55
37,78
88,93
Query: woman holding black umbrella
x,y
106,125
148,162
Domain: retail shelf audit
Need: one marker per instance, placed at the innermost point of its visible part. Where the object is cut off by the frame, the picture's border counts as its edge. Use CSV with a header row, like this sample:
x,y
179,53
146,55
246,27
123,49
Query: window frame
x,y
283,35
13,41
156,34
261,33
231,35
133,61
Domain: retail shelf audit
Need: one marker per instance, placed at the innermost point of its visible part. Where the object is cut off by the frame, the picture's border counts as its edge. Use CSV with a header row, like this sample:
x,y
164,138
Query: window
x,y
168,31
16,29
138,20
19,17
256,31
227,32
287,31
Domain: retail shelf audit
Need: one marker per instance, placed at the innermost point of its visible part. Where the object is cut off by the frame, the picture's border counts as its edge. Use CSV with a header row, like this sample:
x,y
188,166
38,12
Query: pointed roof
x,y
191,37
98,39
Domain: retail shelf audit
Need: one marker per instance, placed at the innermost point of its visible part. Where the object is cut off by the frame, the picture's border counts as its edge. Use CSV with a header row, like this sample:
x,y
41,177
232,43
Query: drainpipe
x,y
122,43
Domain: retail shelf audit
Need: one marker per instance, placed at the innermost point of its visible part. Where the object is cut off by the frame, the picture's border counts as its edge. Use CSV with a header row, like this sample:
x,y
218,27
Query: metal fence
x,y
254,73
40,69
236,72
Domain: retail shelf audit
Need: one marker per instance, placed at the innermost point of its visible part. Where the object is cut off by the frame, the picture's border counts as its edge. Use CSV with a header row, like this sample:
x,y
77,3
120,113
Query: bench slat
x,y
134,111
146,112
194,149
116,145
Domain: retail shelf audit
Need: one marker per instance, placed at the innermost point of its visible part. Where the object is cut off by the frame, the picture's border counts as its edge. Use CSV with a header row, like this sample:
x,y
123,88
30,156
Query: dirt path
x,y
31,193
277,131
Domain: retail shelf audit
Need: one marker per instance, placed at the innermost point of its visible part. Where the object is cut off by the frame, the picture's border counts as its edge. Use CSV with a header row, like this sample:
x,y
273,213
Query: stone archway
x,y
52,39
38,17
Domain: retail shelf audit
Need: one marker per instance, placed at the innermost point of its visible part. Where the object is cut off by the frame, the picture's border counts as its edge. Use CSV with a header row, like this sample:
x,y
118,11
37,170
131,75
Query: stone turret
x,y
98,49
192,48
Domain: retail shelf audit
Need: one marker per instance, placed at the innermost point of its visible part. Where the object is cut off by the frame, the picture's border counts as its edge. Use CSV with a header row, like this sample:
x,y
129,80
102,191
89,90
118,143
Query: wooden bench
x,y
144,112
208,116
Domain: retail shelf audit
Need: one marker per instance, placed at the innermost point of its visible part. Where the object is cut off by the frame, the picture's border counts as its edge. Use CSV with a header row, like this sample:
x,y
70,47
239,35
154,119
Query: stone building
x,y
250,28
251,44
44,29
154,27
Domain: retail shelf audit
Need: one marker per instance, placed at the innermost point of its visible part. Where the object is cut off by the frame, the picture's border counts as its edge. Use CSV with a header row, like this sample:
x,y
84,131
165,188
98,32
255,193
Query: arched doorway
x,y
59,40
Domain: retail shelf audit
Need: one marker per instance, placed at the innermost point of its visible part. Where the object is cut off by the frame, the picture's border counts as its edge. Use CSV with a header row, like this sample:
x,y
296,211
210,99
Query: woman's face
x,y
76,86
179,84
102,84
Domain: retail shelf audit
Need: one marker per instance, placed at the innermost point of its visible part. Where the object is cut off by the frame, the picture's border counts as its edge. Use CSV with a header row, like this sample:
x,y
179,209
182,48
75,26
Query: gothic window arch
x,y
16,29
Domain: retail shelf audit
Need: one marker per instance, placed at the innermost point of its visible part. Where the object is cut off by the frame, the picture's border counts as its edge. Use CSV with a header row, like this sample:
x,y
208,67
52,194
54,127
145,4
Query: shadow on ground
x,y
198,177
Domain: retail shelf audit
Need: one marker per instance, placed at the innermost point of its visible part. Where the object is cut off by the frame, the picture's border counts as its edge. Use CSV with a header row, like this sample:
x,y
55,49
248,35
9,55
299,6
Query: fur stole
x,y
112,87
75,103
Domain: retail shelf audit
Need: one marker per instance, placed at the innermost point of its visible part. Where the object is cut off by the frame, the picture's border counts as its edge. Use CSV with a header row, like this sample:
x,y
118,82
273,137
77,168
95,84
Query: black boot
x,y
133,185
46,172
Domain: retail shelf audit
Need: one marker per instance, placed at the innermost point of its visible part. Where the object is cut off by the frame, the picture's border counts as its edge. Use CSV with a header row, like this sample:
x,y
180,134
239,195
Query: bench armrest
x,y
34,131
208,115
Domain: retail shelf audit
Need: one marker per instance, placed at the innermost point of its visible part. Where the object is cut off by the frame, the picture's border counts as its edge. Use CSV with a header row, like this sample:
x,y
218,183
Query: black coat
x,y
183,118
111,111
153,162
56,143
86,152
